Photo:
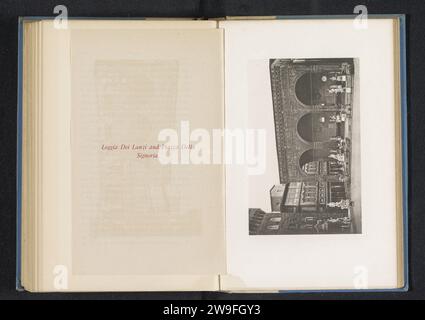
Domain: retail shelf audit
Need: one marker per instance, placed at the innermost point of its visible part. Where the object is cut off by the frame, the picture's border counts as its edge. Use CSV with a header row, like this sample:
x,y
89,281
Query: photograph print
x,y
317,144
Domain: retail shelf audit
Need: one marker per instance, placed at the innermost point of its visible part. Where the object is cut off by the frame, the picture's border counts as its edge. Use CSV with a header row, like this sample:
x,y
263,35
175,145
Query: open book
x,y
231,154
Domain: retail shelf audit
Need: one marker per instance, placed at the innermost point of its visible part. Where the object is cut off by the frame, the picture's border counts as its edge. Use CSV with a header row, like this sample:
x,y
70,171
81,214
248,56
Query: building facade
x,y
303,207
312,105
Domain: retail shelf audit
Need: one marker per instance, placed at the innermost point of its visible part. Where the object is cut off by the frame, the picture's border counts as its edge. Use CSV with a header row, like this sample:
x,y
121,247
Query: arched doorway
x,y
314,161
317,126
312,88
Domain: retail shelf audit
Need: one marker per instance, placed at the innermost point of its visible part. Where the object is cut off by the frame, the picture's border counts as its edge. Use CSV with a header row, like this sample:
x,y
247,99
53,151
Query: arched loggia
x,y
317,126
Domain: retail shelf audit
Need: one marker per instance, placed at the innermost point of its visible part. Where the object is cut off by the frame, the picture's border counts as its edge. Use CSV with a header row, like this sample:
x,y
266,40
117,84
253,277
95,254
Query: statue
x,y
343,204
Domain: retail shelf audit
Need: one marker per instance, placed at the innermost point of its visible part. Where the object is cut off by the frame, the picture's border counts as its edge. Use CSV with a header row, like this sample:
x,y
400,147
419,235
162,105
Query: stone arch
x,y
306,89
316,126
309,160
312,88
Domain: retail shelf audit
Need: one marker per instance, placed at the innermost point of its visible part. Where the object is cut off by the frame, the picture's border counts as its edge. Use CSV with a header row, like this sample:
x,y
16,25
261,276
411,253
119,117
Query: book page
x,y
147,209
312,202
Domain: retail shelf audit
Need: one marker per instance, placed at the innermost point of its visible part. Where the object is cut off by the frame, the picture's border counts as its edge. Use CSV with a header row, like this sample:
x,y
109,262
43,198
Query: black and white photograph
x,y
317,142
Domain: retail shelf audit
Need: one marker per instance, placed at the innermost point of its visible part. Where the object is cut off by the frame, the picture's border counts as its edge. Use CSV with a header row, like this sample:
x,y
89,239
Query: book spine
x,y
19,286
